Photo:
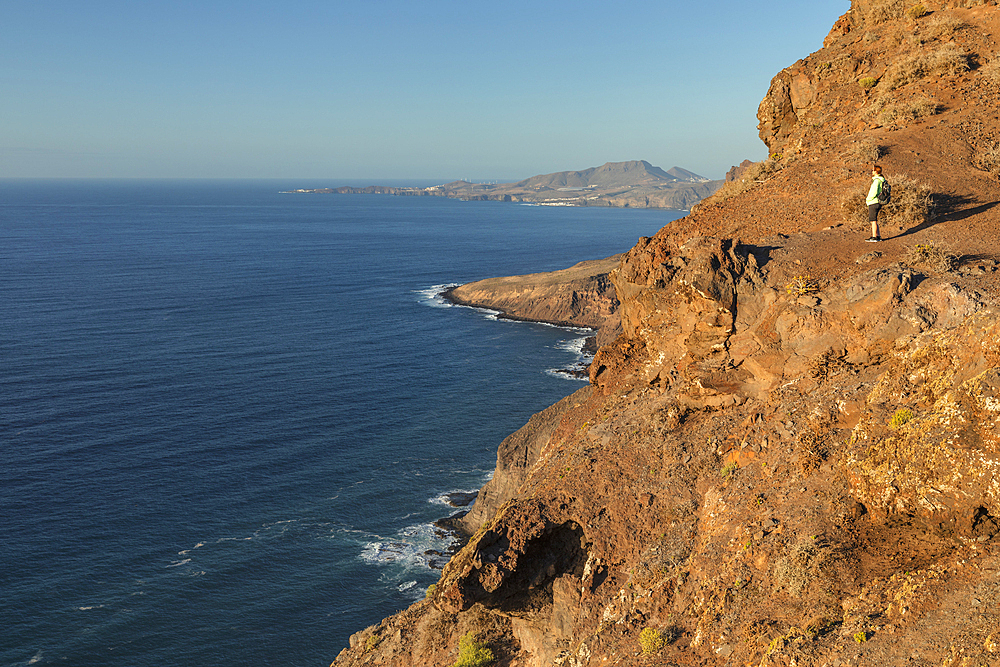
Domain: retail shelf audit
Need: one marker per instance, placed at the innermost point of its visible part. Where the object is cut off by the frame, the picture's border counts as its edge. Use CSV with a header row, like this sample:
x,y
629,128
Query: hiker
x,y
876,198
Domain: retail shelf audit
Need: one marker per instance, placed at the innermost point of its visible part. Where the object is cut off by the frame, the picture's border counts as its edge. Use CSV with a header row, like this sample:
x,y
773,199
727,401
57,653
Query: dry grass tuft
x,y
756,173
948,59
991,70
935,257
895,114
916,11
987,158
880,11
941,28
865,151
910,205
797,568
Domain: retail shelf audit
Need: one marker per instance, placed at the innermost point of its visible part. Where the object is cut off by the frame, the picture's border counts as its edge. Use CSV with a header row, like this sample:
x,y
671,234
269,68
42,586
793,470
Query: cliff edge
x,y
790,455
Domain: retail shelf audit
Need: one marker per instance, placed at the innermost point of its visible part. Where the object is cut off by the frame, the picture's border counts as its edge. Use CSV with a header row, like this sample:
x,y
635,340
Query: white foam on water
x,y
574,345
565,374
35,658
443,498
433,296
406,585
418,547
577,370
178,563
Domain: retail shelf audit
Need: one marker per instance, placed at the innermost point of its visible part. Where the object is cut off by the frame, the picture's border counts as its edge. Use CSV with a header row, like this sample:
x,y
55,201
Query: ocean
x,y
229,417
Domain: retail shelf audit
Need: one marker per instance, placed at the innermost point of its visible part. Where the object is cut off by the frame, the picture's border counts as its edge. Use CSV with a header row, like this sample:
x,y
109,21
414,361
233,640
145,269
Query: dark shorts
x,y
873,210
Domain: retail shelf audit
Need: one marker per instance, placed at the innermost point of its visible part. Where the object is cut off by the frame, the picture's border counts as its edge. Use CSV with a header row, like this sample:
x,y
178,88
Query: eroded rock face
x,y
733,474
768,468
928,443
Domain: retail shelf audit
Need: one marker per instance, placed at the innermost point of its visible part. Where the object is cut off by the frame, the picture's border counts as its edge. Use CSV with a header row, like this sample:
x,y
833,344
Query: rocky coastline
x,y
789,451
634,184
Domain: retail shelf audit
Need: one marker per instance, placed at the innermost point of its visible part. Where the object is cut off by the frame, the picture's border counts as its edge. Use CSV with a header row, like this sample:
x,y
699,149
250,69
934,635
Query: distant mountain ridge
x,y
631,184
614,174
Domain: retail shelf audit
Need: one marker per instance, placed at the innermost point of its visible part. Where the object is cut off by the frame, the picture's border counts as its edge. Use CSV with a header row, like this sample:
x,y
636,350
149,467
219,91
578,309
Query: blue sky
x,y
384,89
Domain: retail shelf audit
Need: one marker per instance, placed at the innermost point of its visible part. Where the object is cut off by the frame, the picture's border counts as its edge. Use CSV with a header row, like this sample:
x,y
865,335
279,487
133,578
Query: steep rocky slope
x,y
790,456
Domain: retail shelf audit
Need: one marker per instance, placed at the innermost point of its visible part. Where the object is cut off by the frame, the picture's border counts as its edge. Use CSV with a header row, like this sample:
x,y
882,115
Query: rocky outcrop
x,y
790,455
580,296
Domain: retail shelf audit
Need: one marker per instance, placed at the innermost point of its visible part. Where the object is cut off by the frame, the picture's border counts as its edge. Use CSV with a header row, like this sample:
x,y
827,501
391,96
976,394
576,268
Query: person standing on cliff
x,y
874,203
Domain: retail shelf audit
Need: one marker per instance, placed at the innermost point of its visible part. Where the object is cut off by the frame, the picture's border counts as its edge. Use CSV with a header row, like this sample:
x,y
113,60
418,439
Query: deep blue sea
x,y
229,416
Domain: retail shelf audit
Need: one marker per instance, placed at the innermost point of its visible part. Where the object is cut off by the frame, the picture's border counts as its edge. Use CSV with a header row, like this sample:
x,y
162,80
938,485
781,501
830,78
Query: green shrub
x,y
901,416
652,640
473,653
867,82
916,11
802,285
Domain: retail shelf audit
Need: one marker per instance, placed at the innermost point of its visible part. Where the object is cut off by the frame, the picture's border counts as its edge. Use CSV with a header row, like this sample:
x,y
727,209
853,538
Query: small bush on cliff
x,y
758,172
901,416
991,70
987,156
880,11
948,59
867,82
652,640
802,285
933,256
472,652
910,205
916,11
865,151
895,114
941,28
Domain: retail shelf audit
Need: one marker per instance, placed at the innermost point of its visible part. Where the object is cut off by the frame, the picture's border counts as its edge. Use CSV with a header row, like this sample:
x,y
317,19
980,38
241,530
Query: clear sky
x,y
385,89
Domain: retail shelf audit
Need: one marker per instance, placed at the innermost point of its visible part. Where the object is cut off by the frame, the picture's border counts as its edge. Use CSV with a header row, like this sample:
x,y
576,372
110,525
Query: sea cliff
x,y
790,454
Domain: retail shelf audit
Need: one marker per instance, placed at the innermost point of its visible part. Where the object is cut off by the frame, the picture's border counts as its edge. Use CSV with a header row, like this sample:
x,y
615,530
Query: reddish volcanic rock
x,y
790,455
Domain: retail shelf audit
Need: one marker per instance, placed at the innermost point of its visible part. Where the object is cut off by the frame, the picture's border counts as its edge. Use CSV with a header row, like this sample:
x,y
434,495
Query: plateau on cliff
x,y
790,454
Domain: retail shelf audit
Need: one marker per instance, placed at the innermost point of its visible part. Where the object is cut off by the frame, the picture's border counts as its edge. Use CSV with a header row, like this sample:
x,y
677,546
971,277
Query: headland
x,y
635,184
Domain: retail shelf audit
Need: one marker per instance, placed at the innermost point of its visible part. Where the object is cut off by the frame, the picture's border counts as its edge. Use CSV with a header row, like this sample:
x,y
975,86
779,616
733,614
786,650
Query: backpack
x,y
885,193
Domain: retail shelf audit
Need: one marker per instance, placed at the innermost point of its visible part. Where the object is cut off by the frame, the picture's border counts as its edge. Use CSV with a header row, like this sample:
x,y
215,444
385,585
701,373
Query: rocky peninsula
x,y
580,296
635,184
790,455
